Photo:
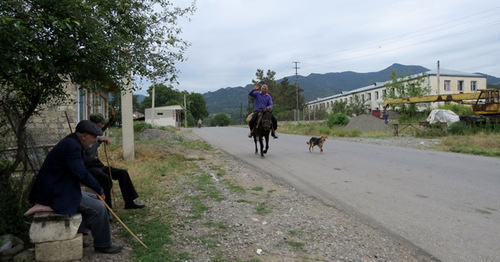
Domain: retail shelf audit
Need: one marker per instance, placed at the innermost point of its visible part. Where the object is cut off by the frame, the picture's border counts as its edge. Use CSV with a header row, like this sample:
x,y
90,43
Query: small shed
x,y
164,115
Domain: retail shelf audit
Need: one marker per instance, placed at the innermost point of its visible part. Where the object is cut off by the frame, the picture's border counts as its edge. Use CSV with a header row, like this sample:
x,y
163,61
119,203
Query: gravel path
x,y
271,221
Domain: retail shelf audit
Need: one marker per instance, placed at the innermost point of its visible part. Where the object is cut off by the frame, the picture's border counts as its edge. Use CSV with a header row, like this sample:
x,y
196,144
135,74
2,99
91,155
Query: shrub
x,y
141,126
220,119
338,119
461,110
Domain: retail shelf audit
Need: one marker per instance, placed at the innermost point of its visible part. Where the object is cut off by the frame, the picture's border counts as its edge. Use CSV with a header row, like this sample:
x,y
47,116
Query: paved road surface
x,y
445,203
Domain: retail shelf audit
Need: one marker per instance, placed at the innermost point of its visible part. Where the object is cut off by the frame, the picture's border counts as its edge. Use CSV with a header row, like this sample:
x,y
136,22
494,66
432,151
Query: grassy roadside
x,y
163,171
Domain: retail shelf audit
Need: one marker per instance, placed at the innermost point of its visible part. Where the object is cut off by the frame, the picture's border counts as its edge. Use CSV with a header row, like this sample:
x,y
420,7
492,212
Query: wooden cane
x,y
121,222
110,175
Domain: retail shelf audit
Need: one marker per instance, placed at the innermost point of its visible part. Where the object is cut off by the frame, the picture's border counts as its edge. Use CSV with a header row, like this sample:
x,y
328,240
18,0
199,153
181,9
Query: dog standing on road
x,y
316,141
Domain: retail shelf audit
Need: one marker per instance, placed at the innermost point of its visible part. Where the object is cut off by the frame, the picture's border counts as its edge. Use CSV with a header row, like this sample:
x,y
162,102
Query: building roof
x,y
446,72
172,107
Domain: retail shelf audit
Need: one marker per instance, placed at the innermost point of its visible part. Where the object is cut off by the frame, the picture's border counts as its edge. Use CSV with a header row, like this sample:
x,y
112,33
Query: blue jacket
x,y
261,101
57,184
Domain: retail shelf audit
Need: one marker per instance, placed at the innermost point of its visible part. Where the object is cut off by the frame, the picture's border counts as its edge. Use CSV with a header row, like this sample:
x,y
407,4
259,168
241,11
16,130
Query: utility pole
x,y
297,90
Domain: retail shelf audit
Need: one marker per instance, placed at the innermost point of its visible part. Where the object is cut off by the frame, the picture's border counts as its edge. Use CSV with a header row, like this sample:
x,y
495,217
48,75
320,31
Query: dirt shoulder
x,y
271,221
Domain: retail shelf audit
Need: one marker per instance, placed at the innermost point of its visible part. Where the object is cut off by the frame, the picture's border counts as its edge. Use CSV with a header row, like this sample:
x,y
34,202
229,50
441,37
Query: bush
x,y
338,119
141,126
461,110
220,119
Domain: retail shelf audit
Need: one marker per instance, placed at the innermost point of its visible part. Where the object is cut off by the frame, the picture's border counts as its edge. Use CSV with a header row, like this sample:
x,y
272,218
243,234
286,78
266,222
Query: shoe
x,y
133,205
84,231
249,135
274,136
86,243
109,250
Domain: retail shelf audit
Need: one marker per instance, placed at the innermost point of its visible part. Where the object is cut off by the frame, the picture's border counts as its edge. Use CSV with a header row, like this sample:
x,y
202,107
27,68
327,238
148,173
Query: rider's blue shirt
x,y
261,101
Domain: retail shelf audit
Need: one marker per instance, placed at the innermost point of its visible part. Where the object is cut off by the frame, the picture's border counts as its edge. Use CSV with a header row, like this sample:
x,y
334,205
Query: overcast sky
x,y
231,39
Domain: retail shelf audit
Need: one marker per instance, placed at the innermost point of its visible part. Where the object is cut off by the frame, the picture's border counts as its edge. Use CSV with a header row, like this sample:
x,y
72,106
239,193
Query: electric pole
x,y
297,89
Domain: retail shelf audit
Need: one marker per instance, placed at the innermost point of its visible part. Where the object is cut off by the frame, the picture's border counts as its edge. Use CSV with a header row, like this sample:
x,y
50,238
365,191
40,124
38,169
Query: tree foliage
x,y
44,44
340,107
47,43
221,119
406,86
358,106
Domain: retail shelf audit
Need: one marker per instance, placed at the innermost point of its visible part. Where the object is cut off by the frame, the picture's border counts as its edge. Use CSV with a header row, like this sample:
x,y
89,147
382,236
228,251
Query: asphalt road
x,y
444,203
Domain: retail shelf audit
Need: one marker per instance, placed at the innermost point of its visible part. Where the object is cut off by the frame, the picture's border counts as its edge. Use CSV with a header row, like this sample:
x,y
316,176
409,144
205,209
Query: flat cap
x,y
97,118
89,127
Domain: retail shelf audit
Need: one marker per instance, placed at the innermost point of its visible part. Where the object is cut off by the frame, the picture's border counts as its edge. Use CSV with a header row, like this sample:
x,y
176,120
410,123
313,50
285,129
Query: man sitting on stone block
x,y
57,186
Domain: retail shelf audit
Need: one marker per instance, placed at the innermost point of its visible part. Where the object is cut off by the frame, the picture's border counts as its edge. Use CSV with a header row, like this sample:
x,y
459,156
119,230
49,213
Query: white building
x,y
164,115
446,82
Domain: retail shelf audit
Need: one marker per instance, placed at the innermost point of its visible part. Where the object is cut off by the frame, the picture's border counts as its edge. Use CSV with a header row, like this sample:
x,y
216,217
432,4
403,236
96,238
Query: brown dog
x,y
316,141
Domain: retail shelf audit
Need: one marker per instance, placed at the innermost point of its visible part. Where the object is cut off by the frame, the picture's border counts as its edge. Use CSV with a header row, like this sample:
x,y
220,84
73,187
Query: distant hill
x,y
140,98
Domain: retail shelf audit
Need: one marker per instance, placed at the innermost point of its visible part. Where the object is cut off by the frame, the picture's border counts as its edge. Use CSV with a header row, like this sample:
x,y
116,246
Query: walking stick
x,y
121,222
110,175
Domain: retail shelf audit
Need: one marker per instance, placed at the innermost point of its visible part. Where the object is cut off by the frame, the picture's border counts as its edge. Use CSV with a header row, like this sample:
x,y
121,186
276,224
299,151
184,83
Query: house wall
x,y
162,117
54,122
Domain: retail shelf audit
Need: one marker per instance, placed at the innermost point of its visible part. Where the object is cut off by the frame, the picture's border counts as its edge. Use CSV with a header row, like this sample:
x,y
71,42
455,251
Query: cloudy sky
x,y
231,39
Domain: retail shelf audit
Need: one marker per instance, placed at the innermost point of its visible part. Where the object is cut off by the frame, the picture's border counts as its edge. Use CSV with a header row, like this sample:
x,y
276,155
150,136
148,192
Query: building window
x,y
460,85
473,86
376,95
82,104
447,85
102,106
369,96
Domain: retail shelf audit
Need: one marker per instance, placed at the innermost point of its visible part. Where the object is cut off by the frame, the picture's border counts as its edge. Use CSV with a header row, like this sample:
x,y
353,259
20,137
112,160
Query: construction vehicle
x,y
485,104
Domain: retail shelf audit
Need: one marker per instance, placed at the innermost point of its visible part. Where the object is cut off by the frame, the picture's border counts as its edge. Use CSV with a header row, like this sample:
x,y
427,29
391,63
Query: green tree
x,y
164,96
45,44
340,107
406,86
285,100
221,119
197,107
358,106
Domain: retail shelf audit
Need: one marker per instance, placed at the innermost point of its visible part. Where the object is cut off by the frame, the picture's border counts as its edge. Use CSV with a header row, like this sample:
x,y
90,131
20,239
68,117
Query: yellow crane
x,y
485,103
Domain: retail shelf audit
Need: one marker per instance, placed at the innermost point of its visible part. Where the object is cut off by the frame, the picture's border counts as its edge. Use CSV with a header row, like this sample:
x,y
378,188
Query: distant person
x,y
101,172
263,101
57,186
199,122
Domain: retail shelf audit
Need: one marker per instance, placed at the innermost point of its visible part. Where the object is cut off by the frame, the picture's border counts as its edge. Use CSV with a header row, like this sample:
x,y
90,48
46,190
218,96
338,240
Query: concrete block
x,y
58,251
49,226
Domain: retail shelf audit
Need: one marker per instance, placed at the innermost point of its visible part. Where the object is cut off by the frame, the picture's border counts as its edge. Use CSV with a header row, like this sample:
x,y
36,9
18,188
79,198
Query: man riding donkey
x,y
263,101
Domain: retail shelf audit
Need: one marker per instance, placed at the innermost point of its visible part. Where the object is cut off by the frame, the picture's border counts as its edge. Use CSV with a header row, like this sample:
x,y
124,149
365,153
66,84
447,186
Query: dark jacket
x,y
57,184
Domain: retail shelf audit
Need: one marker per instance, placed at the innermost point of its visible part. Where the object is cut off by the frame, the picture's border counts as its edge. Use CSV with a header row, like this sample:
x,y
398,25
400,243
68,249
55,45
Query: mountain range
x,y
233,100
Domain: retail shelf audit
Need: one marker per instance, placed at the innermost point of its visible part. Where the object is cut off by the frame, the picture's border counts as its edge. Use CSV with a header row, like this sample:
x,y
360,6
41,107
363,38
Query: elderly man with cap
x,y
57,186
101,172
